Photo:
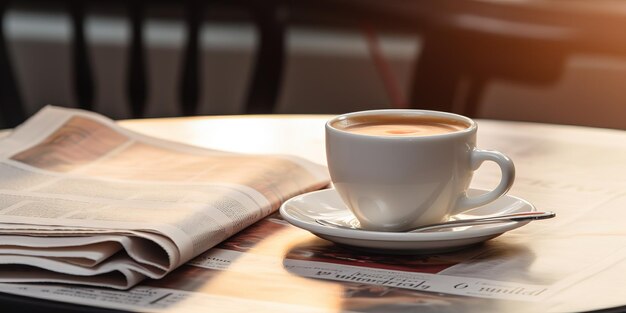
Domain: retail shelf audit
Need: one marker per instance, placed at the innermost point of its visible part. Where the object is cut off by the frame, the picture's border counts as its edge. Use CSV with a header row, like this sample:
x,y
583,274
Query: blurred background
x,y
549,61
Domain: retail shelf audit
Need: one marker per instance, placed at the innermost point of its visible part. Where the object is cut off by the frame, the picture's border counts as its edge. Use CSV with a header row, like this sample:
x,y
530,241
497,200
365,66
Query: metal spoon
x,y
514,217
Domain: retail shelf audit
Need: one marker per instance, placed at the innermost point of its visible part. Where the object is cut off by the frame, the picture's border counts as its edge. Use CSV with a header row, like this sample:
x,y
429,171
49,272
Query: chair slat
x,y
137,78
190,82
83,79
266,78
11,105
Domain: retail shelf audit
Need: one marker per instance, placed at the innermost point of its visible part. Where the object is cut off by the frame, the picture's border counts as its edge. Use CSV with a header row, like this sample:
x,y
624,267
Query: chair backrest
x,y
465,46
85,81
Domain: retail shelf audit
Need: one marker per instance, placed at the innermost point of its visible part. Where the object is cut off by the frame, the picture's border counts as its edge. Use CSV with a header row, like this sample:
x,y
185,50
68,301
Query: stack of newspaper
x,y
85,201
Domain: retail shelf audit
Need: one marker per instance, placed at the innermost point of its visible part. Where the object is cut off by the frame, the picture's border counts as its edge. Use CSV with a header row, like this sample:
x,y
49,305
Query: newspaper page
x,y
85,201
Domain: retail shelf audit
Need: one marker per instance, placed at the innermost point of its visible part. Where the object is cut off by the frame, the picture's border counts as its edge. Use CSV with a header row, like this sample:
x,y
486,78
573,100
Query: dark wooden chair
x,y
466,44
264,81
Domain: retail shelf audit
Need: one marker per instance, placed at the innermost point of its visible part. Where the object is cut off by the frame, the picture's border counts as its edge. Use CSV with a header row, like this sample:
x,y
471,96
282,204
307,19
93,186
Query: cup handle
x,y
507,170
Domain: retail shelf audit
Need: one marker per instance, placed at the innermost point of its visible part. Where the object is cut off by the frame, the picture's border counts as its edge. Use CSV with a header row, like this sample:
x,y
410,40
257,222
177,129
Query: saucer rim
x,y
470,232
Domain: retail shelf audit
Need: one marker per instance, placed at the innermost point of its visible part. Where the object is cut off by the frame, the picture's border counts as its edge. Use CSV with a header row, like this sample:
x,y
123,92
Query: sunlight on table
x,y
250,134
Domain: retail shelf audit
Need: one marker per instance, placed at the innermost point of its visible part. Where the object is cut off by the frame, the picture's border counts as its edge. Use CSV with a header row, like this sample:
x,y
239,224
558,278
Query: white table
x,y
580,173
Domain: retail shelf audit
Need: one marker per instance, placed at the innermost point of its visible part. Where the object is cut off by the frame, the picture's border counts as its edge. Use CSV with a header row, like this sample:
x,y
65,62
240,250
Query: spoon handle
x,y
514,217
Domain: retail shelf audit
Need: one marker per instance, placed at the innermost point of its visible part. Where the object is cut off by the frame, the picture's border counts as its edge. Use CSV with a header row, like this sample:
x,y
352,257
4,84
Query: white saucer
x,y
303,210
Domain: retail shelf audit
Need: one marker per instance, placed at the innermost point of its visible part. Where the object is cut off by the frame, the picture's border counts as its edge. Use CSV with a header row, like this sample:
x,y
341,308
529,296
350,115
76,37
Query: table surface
x,y
574,171
570,170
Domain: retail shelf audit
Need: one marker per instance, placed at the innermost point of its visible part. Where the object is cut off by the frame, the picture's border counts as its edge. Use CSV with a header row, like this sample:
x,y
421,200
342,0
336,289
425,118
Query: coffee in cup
x,y
398,169
405,126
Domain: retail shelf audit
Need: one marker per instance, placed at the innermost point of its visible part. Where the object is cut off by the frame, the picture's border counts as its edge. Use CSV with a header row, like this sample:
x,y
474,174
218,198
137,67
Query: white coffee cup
x,y
393,180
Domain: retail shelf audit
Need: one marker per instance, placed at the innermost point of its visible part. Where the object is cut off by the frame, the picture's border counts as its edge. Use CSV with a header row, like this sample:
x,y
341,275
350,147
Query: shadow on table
x,y
371,282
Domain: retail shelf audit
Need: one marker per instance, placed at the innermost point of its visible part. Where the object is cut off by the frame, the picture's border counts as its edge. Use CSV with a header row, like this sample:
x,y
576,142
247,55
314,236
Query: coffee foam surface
x,y
402,126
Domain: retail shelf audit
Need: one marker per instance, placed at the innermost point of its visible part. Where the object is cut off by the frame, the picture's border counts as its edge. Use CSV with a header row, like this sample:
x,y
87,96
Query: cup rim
x,y
472,126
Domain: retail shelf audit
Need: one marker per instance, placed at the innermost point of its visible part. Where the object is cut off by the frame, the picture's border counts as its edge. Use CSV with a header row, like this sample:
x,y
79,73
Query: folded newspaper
x,y
85,201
